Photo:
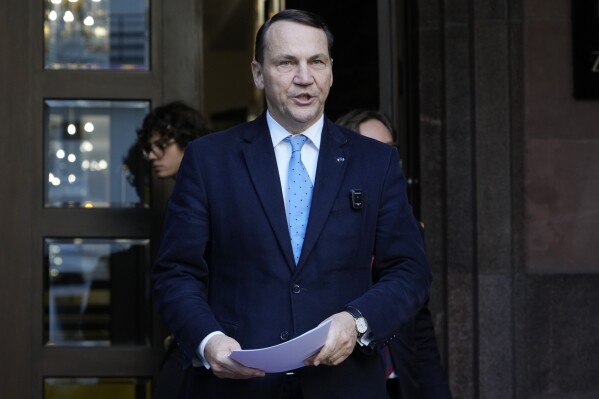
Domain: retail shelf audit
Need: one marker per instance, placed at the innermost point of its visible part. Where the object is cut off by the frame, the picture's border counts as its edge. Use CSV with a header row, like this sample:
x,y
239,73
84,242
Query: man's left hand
x,y
340,342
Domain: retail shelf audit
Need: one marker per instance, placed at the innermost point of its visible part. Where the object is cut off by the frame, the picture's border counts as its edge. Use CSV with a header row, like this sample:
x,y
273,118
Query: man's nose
x,y
303,74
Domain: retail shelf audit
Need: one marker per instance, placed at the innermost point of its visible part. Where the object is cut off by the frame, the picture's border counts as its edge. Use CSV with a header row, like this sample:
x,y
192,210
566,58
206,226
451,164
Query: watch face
x,y
361,325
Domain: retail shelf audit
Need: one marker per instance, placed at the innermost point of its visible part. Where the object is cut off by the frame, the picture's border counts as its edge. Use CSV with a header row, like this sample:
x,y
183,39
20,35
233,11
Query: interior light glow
x,y
60,154
86,146
100,32
56,181
72,178
89,127
72,158
52,15
88,21
68,17
71,129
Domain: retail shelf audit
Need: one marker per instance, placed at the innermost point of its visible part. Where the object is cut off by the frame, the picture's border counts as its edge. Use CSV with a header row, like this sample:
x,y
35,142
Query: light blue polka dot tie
x,y
299,195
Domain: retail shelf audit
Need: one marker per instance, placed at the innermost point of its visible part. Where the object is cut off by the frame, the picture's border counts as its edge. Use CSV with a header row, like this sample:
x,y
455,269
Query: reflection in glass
x,y
94,387
92,159
96,292
96,34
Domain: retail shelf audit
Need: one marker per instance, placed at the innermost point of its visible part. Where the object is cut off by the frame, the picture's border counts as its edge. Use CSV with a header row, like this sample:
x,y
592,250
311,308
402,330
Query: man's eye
x,y
286,63
318,64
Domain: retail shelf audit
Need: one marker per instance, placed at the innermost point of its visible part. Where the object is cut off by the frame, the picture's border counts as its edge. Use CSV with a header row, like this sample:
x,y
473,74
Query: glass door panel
x,y
96,292
96,34
97,388
92,159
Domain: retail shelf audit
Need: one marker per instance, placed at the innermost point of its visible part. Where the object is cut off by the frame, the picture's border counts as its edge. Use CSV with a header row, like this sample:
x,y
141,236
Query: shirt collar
x,y
278,132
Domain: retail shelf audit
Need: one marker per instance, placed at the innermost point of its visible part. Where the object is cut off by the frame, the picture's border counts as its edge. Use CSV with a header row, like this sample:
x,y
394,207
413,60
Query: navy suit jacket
x,y
226,261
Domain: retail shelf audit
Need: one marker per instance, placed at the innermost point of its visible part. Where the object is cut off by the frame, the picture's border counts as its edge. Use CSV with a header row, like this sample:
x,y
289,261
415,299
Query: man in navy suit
x,y
226,277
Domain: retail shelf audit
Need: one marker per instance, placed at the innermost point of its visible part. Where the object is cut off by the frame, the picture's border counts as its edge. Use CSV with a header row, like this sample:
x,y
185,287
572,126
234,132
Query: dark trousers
x,y
393,389
171,380
291,387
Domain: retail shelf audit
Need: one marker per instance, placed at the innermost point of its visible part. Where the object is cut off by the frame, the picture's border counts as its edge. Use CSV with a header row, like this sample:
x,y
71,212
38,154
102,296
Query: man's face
x,y
296,74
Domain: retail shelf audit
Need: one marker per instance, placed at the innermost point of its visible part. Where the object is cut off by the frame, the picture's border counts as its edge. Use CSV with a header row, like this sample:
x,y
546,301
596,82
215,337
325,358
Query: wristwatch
x,y
361,323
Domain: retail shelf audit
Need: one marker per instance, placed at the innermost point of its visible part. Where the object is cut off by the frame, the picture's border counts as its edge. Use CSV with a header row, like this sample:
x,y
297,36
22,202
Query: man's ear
x,y
257,74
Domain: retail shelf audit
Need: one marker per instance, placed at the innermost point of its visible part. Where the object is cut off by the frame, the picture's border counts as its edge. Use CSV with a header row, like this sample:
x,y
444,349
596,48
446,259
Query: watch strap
x,y
353,311
366,340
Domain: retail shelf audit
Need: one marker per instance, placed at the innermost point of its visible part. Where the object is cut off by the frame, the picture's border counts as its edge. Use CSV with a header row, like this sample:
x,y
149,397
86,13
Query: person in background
x,y
369,123
164,134
414,367
271,228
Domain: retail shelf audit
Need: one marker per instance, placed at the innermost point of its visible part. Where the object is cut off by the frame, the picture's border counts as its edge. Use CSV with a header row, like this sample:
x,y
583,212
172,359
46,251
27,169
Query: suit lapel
x,y
332,161
262,166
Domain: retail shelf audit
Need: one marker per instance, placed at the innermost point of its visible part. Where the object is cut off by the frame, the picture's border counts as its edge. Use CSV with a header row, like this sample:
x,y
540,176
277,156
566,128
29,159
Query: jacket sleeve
x,y
180,273
400,271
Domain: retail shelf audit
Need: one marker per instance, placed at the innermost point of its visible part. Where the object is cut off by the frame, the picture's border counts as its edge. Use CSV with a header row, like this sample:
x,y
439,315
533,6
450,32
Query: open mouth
x,y
304,98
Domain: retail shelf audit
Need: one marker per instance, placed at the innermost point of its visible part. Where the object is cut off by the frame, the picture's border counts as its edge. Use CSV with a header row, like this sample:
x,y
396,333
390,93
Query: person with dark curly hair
x,y
162,138
165,133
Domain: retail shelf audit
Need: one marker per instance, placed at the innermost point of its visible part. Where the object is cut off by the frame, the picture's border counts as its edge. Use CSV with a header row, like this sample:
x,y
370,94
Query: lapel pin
x,y
340,159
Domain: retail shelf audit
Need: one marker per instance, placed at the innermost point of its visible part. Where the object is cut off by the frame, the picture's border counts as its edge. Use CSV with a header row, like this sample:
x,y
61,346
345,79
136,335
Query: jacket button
x,y
296,289
284,335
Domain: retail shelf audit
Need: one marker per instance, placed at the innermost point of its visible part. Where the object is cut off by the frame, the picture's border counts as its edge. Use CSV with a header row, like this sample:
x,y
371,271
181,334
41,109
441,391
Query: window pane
x,y
113,388
96,34
92,159
96,292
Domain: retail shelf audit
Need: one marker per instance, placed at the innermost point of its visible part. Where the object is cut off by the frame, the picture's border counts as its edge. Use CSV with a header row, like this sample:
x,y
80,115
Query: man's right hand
x,y
217,351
